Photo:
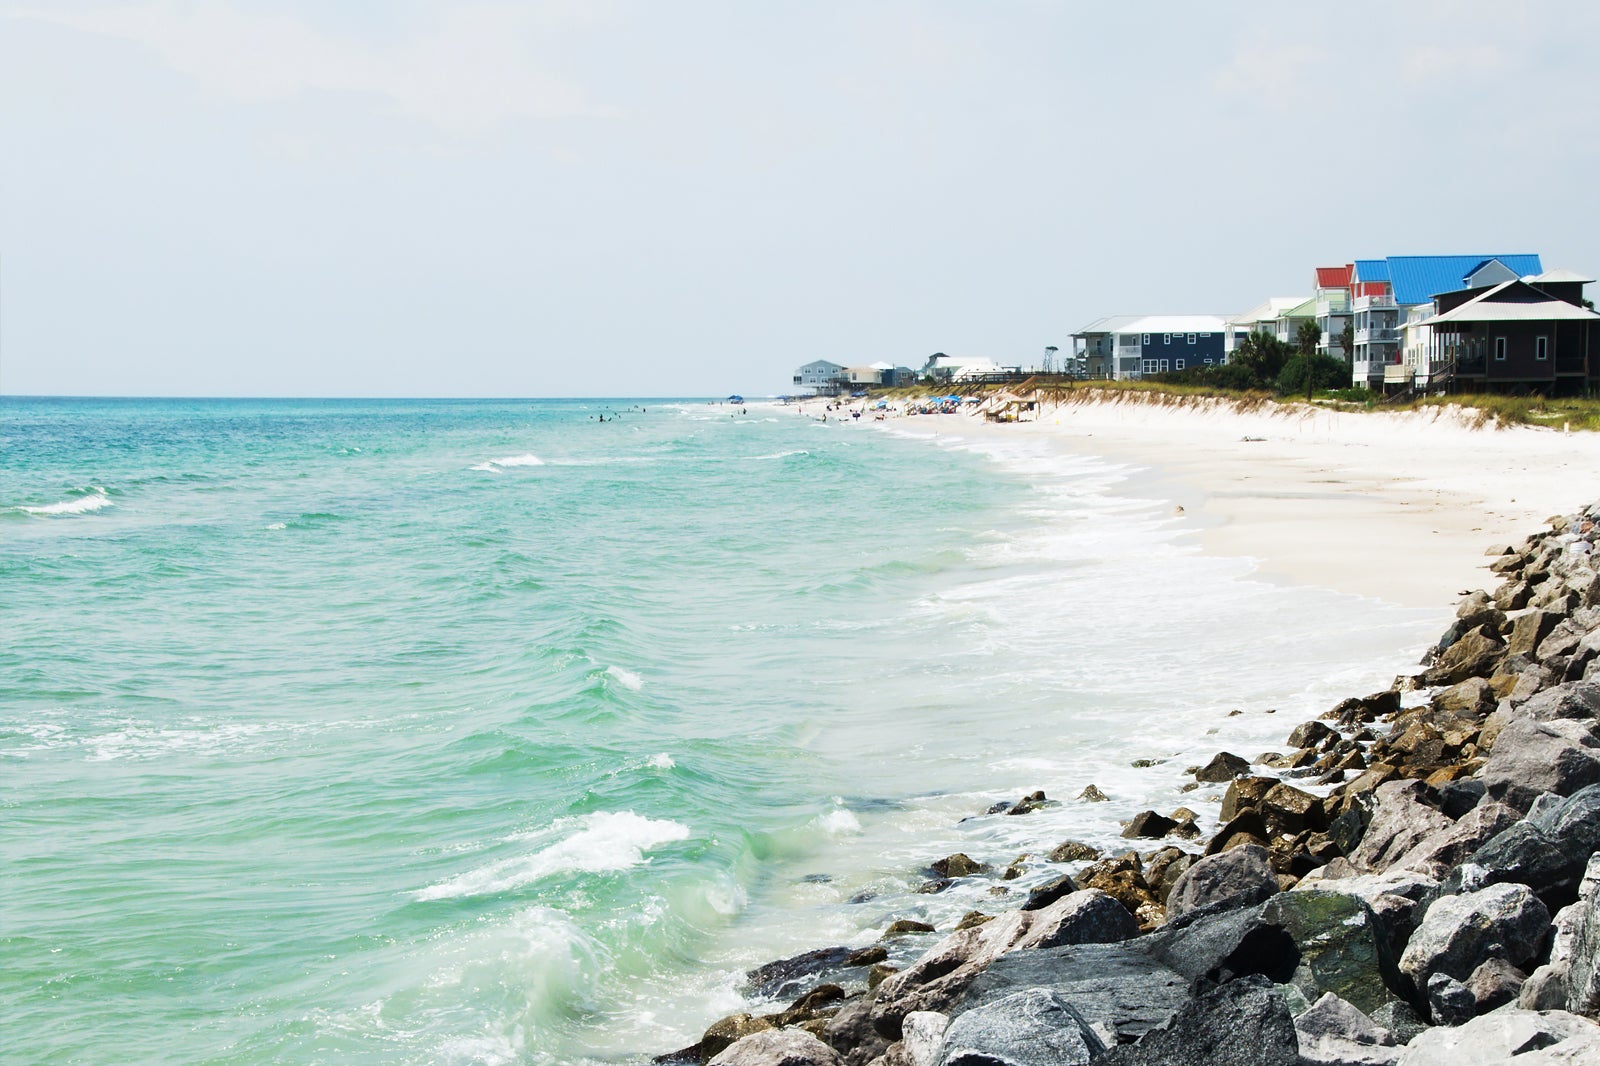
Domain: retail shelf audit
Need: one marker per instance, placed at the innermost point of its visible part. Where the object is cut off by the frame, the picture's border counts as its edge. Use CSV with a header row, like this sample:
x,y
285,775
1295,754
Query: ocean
x,y
488,732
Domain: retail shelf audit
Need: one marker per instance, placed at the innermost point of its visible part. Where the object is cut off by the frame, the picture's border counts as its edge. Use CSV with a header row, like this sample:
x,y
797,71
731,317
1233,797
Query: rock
x,y
1036,1027
778,1047
1033,801
1472,698
937,885
1576,699
1149,825
867,956
725,1032
1242,1023
1119,990
1459,933
1459,797
1224,766
1331,1032
924,1037
1049,892
1244,829
934,981
1366,709
1340,945
1073,851
1440,852
958,865
1493,1039
1401,1020
1309,734
788,977
1531,756
1288,811
1529,629
852,1034
1449,1001
1244,794
973,918
1166,866
1092,794
1494,984
1582,981
1396,898
1400,821
1238,877
1474,655
1122,878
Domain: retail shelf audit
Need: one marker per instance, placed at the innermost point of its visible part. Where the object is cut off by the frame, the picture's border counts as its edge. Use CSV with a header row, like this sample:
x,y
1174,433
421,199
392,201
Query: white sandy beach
x,y
1397,506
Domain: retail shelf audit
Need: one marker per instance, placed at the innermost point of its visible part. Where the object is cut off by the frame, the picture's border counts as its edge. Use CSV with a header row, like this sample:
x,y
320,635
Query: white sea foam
x,y
278,525
779,455
76,505
660,761
838,822
600,843
510,461
626,678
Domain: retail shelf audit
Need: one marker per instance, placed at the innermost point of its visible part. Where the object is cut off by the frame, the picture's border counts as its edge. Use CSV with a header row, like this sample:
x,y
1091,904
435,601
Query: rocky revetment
x,y
1415,879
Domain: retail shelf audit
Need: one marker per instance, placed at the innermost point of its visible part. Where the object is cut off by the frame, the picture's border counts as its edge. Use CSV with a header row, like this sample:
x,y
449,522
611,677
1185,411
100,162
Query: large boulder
x,y
1442,851
1474,655
1238,877
1531,756
850,1033
1578,700
1340,947
923,1039
1460,933
778,1047
1242,1023
934,981
1036,1027
1507,1036
1331,1032
1397,898
1401,819
1119,990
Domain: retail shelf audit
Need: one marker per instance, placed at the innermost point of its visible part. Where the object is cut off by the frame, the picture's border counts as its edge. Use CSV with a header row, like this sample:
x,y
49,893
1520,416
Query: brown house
x,y
1525,335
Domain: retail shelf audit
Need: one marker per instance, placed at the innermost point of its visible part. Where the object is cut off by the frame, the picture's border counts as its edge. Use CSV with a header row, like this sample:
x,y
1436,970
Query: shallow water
x,y
484,732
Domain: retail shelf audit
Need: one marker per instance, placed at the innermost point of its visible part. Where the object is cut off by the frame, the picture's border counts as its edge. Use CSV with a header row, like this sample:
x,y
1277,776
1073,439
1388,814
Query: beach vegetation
x,y
1307,337
1325,371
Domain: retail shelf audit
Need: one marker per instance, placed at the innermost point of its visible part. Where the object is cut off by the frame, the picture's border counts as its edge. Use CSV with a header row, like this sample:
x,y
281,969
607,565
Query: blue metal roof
x,y
1419,278
1371,270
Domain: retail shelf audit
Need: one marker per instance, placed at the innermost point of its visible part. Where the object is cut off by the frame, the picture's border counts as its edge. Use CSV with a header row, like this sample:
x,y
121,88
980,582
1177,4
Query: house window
x,y
1146,339
1205,335
1541,348
1191,338
1178,364
1166,338
1209,362
1499,349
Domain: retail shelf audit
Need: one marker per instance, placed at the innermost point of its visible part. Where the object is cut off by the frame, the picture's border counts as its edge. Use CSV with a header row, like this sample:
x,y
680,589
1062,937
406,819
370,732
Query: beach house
x,y
1390,297
1518,334
1152,344
1278,316
820,376
1333,308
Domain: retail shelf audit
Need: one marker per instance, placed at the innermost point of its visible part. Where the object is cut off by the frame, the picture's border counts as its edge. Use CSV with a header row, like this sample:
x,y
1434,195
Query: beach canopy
x,y
736,399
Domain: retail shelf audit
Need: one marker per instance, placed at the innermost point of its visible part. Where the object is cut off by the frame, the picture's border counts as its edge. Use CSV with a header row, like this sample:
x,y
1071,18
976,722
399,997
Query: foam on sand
x,y
595,843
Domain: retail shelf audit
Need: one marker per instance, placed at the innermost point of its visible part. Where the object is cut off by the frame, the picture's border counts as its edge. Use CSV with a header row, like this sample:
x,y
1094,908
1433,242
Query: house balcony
x,y
1377,335
1372,303
1333,305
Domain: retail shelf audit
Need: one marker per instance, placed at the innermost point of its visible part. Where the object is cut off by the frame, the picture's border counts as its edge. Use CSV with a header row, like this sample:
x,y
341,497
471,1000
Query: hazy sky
x,y
647,197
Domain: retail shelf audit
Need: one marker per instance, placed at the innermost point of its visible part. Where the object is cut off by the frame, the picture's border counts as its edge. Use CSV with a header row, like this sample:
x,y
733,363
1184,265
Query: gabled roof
x,y
1512,301
1269,310
1371,270
1335,277
1304,309
1419,278
1174,324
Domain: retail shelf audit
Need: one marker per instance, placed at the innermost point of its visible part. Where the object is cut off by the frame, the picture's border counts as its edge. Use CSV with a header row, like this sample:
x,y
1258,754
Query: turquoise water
x,y
448,731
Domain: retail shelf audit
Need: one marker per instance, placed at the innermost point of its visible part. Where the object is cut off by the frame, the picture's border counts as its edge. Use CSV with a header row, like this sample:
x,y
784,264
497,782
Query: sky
x,y
692,198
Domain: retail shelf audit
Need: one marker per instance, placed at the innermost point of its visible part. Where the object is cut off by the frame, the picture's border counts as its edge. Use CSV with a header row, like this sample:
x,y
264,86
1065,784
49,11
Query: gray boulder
x,y
1242,1023
1494,984
1581,924
1333,1033
778,1047
1506,1036
1036,1027
850,1033
1530,756
1579,700
937,979
1442,851
1338,945
1547,851
1459,933
1118,989
1235,878
1449,1001
1401,819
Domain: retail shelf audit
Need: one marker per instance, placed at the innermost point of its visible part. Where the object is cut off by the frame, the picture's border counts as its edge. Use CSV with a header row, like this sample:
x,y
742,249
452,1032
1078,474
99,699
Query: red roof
x,y
1334,277
1372,288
